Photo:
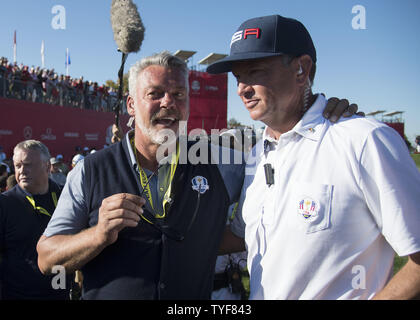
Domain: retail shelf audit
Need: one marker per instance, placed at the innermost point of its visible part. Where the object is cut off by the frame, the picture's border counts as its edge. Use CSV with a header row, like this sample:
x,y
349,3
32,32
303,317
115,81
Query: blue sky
x,y
376,67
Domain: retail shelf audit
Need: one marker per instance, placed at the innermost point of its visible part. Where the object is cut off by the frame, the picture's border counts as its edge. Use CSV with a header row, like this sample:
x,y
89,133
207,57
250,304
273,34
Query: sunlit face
x,y
161,102
31,171
267,88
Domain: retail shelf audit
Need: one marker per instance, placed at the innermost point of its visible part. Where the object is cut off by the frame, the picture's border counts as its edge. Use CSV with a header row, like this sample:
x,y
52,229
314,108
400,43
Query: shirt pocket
x,y
312,206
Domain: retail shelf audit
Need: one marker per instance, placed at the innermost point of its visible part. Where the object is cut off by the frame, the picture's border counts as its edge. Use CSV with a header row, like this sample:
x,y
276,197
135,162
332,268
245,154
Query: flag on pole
x,y
14,47
42,54
68,62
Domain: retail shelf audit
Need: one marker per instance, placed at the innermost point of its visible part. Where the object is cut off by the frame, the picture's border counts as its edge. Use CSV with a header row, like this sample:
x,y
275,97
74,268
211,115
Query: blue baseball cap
x,y
264,37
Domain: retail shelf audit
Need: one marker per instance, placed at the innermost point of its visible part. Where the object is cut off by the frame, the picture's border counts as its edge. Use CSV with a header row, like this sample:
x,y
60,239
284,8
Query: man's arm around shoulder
x,y
231,243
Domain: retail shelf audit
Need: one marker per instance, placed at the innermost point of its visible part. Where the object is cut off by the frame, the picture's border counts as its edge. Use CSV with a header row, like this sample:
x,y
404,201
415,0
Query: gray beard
x,y
155,136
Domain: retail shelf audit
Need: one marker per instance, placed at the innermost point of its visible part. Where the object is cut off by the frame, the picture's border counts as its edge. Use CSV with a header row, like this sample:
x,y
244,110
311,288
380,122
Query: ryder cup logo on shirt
x,y
200,184
308,208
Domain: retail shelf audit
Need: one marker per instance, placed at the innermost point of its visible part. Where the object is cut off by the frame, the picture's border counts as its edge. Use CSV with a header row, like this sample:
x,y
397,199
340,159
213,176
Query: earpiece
x,y
130,122
300,70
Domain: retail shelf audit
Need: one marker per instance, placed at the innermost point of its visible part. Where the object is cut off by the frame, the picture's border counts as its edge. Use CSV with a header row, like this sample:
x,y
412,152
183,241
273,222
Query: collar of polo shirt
x,y
311,126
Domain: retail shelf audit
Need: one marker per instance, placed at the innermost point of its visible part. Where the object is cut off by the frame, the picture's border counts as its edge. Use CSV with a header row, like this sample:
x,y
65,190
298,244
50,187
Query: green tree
x,y
233,123
115,85
408,143
111,84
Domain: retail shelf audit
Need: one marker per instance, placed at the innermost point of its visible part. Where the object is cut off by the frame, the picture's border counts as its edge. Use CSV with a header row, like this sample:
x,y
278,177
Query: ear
x,y
303,67
130,106
48,164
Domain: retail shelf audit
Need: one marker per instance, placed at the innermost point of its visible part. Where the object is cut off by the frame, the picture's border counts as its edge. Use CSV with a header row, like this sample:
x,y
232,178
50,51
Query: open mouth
x,y
165,121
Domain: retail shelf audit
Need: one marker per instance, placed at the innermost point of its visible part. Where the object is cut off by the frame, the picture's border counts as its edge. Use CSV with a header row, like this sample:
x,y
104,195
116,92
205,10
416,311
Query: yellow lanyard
x,y
41,209
235,208
145,185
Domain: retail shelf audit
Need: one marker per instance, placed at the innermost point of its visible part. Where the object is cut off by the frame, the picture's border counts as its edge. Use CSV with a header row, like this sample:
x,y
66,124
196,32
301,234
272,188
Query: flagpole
x,y
67,61
14,48
42,54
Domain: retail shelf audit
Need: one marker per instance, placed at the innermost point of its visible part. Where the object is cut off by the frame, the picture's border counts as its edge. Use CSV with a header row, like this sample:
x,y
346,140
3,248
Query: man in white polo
x,y
324,205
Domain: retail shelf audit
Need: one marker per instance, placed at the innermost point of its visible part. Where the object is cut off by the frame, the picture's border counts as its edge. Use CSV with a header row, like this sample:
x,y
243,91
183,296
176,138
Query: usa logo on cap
x,y
244,34
264,37
308,208
200,184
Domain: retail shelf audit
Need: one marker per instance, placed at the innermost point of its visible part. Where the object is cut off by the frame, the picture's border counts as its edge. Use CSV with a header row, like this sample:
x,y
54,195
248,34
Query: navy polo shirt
x,y
143,263
21,226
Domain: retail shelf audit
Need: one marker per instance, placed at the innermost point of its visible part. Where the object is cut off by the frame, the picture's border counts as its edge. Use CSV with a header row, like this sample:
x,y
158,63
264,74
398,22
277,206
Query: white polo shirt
x,y
345,196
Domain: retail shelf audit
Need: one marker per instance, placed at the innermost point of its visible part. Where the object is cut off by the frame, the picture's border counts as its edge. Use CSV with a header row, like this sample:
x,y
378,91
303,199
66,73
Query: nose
x,y
167,101
245,90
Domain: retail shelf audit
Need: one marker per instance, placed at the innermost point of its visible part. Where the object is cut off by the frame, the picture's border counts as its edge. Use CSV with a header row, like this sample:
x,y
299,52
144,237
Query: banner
x,y
61,129
208,101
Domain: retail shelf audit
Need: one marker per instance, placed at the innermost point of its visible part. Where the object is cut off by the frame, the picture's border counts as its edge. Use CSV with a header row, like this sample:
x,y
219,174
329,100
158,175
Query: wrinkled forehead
x,y
26,155
159,76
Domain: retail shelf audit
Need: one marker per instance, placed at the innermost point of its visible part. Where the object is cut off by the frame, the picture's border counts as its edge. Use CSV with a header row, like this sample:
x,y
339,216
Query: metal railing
x,y
59,93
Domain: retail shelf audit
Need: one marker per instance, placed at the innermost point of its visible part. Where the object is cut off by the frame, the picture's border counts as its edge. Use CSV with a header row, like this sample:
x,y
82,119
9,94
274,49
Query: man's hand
x,y
117,212
73,251
337,108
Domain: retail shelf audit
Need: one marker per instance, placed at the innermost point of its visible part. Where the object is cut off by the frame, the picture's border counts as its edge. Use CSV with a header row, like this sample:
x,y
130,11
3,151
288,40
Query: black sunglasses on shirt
x,y
169,231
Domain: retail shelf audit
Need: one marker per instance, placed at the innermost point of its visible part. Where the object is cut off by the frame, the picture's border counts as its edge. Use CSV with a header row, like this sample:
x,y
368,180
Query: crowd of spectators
x,y
46,86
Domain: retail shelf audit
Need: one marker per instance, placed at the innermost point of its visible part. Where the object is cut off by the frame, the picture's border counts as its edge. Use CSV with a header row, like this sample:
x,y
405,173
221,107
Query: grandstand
x,y
393,119
64,112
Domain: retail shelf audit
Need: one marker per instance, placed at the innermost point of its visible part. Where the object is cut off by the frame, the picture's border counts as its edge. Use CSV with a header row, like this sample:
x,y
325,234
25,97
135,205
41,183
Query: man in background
x,y
25,211
55,174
